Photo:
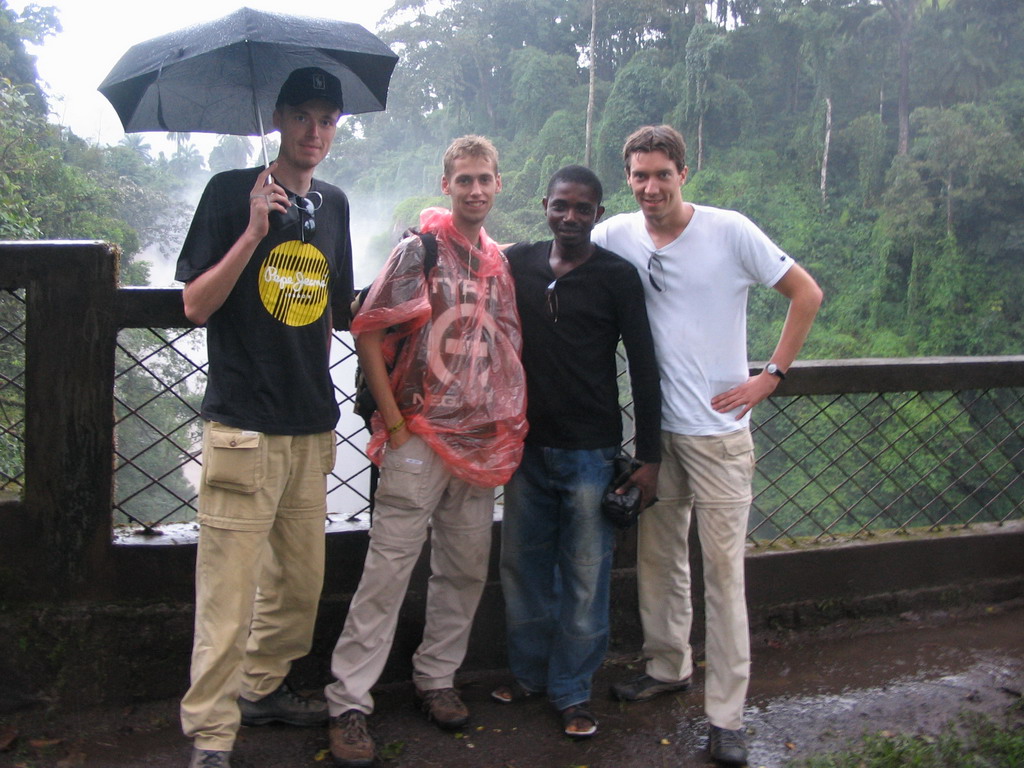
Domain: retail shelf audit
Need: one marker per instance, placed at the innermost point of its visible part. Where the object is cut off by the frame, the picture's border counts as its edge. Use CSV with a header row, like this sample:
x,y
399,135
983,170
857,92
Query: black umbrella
x,y
224,76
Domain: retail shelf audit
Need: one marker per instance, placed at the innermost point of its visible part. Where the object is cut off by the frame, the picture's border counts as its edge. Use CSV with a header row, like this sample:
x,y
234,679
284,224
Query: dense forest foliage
x,y
880,142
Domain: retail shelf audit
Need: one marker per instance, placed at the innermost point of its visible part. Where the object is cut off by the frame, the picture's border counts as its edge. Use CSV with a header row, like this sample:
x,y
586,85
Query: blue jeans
x,y
556,556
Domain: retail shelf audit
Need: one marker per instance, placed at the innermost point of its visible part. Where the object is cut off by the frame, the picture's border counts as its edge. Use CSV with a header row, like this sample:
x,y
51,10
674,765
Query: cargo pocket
x,y
401,475
235,459
738,460
328,452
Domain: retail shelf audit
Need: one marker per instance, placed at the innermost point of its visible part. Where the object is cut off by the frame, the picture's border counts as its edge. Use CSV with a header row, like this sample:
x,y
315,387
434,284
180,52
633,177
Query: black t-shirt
x,y
268,343
572,393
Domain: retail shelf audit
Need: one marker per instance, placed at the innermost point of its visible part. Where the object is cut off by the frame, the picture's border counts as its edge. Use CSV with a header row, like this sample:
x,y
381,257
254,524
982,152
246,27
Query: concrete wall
x,y
138,647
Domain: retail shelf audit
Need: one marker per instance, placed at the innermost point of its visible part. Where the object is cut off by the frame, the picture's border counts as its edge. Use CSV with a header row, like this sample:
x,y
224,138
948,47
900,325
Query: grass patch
x,y
970,741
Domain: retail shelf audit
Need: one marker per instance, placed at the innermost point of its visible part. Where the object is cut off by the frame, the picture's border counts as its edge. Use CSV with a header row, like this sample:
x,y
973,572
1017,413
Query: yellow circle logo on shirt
x,y
294,282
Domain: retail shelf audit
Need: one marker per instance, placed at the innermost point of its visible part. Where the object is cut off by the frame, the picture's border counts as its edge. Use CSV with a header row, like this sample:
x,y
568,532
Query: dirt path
x,y
811,692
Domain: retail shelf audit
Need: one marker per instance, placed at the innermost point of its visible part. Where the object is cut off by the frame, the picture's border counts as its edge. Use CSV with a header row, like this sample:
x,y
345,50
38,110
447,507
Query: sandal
x,y
574,716
506,694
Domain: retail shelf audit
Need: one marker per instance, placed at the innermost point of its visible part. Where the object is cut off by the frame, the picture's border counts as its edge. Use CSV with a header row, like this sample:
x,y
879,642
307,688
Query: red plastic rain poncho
x,y
457,379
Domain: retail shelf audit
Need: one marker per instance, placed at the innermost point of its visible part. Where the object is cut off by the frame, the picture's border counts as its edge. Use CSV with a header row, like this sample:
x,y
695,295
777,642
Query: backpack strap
x,y
429,240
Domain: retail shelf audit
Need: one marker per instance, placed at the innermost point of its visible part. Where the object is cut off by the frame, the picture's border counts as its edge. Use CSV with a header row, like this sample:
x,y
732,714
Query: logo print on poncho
x,y
294,283
459,344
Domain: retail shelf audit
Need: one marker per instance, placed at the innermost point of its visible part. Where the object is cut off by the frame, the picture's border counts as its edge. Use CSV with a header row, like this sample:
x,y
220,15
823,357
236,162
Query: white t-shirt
x,y
699,320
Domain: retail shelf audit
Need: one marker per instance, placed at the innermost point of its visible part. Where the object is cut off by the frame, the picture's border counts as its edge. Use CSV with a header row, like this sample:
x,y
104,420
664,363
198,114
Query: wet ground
x,y
811,692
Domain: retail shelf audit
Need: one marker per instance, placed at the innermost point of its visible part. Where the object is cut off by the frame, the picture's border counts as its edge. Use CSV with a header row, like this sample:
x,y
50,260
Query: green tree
x,y
541,84
904,14
704,42
230,152
19,127
637,98
33,25
137,143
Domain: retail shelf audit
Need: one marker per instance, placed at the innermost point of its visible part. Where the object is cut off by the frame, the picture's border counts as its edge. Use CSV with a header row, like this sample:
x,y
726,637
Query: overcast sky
x,y
97,32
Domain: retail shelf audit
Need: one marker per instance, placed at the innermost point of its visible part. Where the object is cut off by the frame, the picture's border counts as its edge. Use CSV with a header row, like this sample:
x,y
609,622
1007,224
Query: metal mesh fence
x,y
159,380
12,391
837,466
830,466
159,385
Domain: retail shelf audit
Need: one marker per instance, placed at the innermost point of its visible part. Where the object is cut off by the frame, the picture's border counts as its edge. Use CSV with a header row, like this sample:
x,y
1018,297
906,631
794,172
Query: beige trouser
x,y
259,571
416,489
711,475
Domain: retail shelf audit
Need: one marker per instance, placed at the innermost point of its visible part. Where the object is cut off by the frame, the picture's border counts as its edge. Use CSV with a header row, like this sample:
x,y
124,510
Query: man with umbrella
x,y
267,267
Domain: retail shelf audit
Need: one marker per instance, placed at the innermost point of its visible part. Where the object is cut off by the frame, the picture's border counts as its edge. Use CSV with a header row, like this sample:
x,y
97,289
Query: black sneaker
x,y
283,706
727,747
644,687
210,758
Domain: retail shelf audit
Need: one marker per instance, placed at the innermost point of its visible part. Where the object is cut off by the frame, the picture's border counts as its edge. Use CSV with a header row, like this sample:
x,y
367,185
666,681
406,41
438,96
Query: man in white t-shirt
x,y
699,263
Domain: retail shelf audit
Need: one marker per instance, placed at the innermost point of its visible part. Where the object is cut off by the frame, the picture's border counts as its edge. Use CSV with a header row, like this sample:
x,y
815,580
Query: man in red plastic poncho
x,y
449,428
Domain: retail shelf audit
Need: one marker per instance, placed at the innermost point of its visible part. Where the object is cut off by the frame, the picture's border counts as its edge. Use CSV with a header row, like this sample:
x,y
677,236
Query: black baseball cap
x,y
309,83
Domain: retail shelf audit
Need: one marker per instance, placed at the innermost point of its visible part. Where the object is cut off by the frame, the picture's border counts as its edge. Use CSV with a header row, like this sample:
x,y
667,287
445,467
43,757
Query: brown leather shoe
x,y
351,743
444,707
210,758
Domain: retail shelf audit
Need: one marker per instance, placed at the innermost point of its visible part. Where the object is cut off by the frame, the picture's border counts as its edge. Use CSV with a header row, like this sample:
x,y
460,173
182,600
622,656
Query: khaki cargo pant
x,y
259,570
710,475
416,490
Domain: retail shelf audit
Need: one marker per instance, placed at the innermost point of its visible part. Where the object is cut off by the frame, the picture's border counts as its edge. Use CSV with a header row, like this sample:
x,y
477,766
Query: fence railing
x,y
833,462
100,387
849,448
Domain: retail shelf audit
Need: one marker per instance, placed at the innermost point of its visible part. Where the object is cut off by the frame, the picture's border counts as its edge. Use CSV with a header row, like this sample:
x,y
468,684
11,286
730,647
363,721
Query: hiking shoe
x,y
209,758
644,687
444,707
727,747
351,743
283,706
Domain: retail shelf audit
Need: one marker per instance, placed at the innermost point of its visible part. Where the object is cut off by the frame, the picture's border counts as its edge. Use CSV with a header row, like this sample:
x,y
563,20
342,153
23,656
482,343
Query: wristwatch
x,y
773,370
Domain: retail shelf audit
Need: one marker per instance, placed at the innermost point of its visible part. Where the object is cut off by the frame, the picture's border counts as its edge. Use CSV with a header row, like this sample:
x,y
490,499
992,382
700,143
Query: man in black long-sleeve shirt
x,y
575,301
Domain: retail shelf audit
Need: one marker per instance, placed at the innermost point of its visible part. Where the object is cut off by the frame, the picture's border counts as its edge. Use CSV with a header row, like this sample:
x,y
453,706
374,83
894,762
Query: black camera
x,y
622,509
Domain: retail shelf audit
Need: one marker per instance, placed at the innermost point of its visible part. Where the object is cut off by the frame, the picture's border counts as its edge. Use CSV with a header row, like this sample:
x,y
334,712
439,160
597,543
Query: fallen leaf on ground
x,y
392,750
664,742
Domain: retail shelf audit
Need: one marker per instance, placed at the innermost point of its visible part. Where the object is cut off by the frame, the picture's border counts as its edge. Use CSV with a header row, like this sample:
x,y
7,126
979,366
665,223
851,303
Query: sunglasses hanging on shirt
x,y
301,212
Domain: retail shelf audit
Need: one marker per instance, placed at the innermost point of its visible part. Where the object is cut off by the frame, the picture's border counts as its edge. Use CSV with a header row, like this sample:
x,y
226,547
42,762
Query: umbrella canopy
x,y
224,76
